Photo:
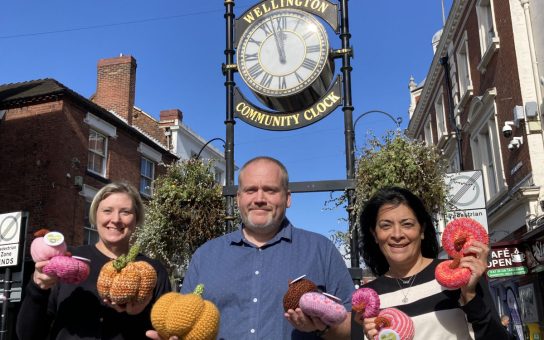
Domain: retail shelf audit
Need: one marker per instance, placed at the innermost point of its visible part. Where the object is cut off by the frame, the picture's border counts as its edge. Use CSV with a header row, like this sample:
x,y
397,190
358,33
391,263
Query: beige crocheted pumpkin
x,y
124,280
187,316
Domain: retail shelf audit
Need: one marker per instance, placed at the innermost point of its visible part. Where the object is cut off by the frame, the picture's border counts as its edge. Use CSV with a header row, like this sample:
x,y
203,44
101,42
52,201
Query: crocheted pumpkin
x,y
124,280
320,305
297,288
50,246
187,316
69,269
366,301
394,324
457,237
46,245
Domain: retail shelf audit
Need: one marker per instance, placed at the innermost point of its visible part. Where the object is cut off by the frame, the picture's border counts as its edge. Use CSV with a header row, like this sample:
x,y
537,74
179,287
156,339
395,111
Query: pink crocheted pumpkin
x,y
450,275
459,235
69,269
394,324
366,301
322,306
47,245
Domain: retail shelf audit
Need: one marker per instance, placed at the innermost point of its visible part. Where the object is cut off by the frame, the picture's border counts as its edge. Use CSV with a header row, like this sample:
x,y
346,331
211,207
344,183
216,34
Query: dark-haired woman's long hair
x,y
372,255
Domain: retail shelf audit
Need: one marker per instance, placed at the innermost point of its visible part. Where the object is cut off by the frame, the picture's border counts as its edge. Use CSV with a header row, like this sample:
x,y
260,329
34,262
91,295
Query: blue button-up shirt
x,y
248,283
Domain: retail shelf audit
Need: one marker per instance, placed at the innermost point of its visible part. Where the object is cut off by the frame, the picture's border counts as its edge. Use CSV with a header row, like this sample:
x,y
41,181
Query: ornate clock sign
x,y
283,55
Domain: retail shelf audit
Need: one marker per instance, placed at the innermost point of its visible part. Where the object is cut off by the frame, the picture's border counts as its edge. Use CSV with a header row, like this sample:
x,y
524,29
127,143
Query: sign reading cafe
x,y
283,56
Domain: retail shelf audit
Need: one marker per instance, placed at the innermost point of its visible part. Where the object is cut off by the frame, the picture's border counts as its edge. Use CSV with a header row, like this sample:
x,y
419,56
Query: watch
x,y
283,57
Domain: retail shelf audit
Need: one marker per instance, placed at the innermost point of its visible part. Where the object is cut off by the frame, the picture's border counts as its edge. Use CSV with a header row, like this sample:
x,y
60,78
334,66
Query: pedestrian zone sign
x,y
10,231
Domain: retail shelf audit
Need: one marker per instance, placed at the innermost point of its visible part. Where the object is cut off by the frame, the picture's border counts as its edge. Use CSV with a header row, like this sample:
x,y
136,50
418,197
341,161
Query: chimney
x,y
169,117
116,85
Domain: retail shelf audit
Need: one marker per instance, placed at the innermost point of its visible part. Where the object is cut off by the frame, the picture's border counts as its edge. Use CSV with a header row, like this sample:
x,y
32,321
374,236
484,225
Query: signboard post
x,y
10,235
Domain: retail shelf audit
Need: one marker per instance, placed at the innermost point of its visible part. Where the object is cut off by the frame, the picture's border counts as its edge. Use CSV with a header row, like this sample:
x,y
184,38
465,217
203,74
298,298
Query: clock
x,y
283,57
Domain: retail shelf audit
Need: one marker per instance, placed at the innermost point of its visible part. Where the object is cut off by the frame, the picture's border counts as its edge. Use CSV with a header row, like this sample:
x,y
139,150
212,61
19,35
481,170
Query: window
x,y
98,144
90,234
218,176
489,40
428,132
440,116
147,175
463,65
484,142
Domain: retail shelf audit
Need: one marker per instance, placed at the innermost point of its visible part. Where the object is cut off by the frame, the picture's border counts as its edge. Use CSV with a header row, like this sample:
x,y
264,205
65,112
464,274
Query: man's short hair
x,y
283,170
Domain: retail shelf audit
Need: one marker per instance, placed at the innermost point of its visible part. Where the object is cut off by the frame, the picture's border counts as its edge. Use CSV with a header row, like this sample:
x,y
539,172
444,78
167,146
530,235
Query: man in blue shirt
x,y
246,273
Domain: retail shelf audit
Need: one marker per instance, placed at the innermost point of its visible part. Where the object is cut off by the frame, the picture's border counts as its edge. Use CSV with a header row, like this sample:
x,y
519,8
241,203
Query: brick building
x,y
481,104
59,148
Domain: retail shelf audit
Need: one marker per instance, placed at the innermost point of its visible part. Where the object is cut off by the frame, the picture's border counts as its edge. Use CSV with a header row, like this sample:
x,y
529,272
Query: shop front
x,y
516,278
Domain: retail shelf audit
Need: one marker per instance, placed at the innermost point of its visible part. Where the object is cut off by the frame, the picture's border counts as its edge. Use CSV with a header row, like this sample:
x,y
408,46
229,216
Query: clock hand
x,y
279,45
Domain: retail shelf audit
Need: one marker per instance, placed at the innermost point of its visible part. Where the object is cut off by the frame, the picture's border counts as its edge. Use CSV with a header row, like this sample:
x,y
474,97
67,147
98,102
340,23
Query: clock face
x,y
282,53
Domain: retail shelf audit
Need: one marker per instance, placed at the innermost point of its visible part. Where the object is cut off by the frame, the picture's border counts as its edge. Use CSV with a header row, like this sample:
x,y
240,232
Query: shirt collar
x,y
285,233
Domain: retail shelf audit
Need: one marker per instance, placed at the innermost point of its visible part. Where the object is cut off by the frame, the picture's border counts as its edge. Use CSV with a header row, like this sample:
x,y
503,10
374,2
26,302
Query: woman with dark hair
x,y
400,247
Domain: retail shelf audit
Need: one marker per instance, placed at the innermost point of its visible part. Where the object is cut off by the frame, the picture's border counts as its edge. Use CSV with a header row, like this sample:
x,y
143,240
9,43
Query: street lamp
x,y
397,120
208,142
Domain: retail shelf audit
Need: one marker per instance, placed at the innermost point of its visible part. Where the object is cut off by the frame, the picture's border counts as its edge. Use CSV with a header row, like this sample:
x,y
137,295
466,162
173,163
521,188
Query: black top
x,y
70,311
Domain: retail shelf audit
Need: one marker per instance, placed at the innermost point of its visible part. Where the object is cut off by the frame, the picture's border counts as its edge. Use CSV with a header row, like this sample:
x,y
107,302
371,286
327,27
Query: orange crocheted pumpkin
x,y
124,280
187,316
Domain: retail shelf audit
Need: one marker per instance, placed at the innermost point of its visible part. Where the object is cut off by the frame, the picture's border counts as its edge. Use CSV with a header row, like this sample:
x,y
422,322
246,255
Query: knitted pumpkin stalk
x,y
125,280
187,316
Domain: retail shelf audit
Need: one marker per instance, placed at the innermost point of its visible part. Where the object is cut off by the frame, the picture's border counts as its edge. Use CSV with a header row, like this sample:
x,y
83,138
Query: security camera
x,y
515,143
507,129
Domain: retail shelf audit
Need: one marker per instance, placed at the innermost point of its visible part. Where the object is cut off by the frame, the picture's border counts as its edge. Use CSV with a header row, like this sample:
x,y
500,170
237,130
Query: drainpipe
x,y
534,62
451,111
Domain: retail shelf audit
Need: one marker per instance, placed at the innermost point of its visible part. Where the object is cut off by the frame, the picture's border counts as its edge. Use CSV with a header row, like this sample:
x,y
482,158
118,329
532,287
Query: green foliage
x,y
187,209
397,160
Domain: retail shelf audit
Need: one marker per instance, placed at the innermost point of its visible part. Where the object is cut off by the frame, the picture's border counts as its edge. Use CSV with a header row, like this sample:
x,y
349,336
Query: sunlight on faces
x,y
261,197
115,218
398,234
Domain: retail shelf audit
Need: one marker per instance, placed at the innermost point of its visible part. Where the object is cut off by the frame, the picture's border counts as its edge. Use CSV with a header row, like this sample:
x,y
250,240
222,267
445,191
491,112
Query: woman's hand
x,y
369,326
131,308
42,280
155,336
475,259
303,322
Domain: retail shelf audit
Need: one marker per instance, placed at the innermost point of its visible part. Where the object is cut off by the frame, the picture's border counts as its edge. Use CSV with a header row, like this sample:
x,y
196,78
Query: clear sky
x,y
179,47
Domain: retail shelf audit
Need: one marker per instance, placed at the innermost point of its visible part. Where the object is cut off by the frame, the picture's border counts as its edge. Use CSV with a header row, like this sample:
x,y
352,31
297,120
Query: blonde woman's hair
x,y
114,188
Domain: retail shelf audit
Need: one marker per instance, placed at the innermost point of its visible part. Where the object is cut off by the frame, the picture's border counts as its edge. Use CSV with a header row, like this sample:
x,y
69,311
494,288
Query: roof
x,y
35,91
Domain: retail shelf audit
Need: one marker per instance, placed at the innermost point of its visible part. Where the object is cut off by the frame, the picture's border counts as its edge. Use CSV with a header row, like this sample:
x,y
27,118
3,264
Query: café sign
x,y
506,261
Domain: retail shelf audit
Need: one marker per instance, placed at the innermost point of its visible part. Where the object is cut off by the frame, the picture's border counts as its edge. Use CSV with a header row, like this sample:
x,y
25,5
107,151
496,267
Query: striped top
x,y
436,311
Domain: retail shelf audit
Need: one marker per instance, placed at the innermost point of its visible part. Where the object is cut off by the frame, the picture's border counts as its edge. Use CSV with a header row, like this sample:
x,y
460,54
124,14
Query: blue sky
x,y
179,49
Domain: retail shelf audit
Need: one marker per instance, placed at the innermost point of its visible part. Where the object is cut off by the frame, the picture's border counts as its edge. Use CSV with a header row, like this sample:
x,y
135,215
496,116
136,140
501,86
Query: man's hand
x,y
155,336
303,322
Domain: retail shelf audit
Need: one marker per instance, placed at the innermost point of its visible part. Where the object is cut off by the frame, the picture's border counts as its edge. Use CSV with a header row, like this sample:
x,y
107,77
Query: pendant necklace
x,y
409,282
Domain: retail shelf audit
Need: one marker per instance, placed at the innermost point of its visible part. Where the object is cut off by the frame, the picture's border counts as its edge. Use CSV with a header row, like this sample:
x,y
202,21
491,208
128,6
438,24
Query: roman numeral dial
x,y
283,52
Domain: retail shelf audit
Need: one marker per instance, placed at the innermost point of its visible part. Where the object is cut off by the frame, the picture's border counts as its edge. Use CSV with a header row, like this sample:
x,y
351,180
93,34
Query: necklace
x,y
410,281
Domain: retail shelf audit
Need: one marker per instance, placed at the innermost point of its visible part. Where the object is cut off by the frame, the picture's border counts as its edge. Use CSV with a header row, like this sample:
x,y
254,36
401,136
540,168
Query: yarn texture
x,y
187,316
323,307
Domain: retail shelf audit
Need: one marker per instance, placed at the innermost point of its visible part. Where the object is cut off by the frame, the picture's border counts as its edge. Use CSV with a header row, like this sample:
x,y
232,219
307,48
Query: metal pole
x,y
5,303
228,71
348,129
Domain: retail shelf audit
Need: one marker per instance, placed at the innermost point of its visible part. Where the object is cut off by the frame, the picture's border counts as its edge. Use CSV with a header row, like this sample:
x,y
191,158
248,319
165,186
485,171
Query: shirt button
x,y
256,272
252,330
255,300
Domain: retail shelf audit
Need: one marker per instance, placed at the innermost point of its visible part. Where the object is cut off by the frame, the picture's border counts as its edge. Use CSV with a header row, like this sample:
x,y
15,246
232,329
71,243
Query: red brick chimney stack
x,y
116,85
